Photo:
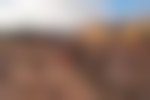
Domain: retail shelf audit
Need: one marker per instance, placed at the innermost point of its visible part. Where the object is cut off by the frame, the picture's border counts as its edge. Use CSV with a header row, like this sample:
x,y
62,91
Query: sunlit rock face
x,y
131,57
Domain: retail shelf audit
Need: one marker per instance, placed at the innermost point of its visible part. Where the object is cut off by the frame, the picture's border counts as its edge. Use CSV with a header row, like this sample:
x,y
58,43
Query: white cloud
x,y
39,12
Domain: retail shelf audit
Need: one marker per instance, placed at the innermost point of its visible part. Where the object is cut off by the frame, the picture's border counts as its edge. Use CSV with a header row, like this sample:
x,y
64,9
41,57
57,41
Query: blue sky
x,y
121,8
69,11
129,7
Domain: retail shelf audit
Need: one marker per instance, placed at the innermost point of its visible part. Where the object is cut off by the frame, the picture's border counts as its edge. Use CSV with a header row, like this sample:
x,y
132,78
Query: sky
x,y
67,12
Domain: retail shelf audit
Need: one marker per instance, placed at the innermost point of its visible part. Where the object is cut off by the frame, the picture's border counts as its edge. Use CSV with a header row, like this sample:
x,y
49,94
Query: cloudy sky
x,y
66,12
